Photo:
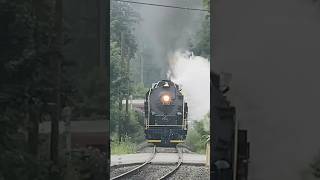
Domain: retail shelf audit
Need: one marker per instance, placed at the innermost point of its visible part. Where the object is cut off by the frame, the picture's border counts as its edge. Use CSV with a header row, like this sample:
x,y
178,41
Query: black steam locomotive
x,y
166,114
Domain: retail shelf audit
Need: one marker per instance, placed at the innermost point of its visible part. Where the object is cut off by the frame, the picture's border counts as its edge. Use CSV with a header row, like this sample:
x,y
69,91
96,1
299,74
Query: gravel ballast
x,y
155,171
189,172
117,170
152,172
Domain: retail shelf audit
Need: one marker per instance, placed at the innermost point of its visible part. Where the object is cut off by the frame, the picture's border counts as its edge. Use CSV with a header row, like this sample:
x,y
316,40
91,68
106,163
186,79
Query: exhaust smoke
x,y
193,73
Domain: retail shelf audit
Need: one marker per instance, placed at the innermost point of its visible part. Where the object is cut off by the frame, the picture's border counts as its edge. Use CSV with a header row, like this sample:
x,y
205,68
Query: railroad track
x,y
136,168
179,151
167,175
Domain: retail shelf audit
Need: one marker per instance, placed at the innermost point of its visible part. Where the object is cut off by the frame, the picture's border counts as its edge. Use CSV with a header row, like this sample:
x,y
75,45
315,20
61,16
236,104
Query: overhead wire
x,y
162,5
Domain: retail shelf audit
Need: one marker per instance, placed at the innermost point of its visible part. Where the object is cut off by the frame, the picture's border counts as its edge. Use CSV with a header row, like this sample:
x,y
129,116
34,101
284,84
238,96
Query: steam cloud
x,y
193,73
163,30
273,56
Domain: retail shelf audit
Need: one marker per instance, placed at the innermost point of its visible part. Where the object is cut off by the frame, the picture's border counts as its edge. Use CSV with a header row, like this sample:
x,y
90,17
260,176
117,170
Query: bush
x,y
198,134
195,141
86,164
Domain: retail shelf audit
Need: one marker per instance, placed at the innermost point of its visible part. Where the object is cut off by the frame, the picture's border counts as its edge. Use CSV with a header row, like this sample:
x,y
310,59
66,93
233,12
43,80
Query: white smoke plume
x,y
193,73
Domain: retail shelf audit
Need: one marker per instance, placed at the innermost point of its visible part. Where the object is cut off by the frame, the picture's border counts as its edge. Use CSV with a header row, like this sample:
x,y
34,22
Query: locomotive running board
x,y
153,141
176,141
158,141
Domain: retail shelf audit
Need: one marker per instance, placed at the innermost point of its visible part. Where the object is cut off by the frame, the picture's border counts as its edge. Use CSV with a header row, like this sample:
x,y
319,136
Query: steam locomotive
x,y
166,114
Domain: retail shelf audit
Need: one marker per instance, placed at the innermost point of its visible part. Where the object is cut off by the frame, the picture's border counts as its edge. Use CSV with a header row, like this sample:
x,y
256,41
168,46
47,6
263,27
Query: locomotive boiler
x,y
166,114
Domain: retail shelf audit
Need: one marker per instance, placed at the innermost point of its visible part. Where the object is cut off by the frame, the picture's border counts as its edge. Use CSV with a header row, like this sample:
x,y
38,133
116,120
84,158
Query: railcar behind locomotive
x,y
166,114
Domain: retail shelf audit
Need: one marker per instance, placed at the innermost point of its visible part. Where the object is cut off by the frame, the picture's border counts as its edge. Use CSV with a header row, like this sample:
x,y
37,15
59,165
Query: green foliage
x,y
18,165
86,164
201,43
206,4
198,134
123,18
133,125
25,83
28,80
115,65
28,74
139,91
89,96
195,142
135,130
126,147
117,73
152,69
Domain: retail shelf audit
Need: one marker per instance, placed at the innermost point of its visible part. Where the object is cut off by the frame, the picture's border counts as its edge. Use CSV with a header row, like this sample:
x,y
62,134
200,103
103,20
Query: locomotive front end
x,y
165,114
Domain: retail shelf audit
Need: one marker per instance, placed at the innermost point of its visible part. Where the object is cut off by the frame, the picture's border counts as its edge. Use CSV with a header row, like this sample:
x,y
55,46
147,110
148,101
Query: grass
x,y
126,147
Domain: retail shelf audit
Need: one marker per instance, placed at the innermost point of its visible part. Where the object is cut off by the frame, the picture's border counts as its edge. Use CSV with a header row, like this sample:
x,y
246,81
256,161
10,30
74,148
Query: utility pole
x,y
34,109
58,43
120,118
66,114
128,92
119,90
102,5
131,101
128,84
141,68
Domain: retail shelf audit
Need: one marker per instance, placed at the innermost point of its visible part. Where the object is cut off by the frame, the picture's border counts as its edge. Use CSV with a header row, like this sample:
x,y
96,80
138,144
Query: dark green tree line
x,y
27,90
201,45
36,83
123,48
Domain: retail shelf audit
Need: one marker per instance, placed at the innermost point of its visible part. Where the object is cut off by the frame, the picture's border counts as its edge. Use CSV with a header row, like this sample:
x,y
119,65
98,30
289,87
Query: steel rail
x,y
136,168
176,168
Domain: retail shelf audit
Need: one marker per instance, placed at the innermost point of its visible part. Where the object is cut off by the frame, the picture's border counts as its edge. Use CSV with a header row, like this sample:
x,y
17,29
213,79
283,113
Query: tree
x,y
206,4
123,48
27,91
198,134
201,45
26,85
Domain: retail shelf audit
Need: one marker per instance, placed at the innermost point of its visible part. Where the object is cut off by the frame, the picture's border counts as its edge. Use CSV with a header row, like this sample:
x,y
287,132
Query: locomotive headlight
x,y
165,99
